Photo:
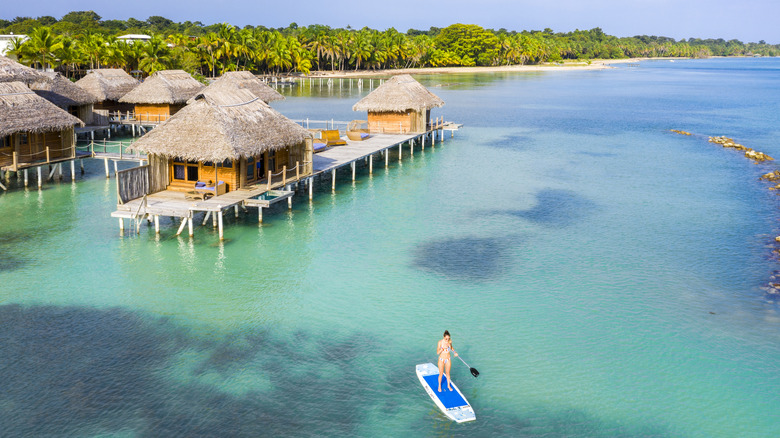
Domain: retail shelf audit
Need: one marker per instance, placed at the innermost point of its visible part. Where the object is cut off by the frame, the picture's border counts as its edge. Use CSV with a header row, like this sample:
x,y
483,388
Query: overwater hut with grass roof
x,y
65,94
229,138
246,81
161,95
33,131
400,105
109,85
51,86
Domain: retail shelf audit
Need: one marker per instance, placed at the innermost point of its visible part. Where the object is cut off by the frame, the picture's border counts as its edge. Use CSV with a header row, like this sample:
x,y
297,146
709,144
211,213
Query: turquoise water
x,y
604,275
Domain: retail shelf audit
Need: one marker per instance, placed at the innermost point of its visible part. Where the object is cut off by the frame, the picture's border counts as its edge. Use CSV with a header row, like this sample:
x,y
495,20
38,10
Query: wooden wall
x,y
113,105
32,146
152,113
132,183
396,123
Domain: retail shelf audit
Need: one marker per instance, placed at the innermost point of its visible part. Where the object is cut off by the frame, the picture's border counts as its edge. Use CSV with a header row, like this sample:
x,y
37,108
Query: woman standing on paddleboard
x,y
443,349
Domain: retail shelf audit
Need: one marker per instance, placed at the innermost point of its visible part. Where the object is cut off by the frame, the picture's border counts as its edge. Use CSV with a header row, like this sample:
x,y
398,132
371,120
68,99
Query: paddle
x,y
474,371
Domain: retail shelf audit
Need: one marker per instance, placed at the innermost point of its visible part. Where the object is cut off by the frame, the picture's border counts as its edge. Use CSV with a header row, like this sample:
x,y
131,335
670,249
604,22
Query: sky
x,y
745,20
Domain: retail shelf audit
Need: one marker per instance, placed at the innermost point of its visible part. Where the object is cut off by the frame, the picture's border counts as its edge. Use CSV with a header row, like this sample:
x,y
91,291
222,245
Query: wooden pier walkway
x,y
262,195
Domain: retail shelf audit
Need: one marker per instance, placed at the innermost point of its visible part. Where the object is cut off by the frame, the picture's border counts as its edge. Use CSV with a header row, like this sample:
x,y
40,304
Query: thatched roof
x,y
399,94
11,71
61,91
247,81
164,86
21,110
231,124
108,83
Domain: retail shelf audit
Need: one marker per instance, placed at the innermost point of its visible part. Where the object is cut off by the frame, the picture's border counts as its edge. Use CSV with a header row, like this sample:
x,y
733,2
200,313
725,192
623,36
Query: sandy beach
x,y
596,64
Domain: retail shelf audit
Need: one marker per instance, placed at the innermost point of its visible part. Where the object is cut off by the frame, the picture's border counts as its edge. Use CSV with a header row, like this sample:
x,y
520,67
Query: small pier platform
x,y
178,204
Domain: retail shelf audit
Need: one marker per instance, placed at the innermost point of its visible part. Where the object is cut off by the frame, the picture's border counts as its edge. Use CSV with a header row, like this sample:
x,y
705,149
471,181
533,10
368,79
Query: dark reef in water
x,y
554,208
468,258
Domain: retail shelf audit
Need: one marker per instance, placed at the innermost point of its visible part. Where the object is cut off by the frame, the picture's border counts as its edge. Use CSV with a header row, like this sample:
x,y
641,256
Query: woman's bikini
x,y
444,350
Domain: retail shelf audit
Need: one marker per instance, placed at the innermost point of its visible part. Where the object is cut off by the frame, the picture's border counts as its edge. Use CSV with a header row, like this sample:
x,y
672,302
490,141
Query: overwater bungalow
x,y
246,81
51,86
109,85
65,94
33,131
161,95
400,105
225,140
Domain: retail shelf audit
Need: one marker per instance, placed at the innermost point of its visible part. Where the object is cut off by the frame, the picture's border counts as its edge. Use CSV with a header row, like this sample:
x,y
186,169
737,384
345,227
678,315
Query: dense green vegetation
x,y
81,40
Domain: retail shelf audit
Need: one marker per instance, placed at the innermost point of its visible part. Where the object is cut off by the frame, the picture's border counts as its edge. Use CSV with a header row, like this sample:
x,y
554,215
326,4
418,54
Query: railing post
x,y
297,170
120,150
269,180
47,154
284,175
16,162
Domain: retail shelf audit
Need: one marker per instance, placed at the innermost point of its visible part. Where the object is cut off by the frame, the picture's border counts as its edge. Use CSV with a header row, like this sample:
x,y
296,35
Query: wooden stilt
x,y
157,224
387,157
289,203
116,168
214,220
105,162
26,177
311,189
219,220
400,151
40,178
411,147
181,227
333,176
81,163
371,164
189,226
352,164
206,218
73,170
260,215
235,210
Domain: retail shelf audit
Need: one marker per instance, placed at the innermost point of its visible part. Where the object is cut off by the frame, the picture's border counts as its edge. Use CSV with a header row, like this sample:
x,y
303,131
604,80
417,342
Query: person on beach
x,y
443,349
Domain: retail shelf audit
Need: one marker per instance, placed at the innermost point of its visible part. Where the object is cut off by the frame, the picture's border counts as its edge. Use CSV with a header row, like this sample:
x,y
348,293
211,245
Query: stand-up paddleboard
x,y
452,403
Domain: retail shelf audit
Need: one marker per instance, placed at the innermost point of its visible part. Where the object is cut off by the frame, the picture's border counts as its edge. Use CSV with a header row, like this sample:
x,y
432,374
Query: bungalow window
x,y
5,143
185,170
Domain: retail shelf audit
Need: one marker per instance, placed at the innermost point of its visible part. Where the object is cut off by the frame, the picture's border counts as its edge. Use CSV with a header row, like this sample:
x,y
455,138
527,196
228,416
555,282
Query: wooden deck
x,y
175,203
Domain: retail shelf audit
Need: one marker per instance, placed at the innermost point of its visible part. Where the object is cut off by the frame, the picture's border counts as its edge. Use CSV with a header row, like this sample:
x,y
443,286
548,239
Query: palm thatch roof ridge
x,y
244,80
164,86
11,71
108,83
217,126
399,94
21,110
61,91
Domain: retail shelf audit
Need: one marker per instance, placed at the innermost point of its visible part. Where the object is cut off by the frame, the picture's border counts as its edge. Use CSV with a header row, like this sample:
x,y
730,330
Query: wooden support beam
x,y
333,176
387,157
259,215
189,226
81,163
400,151
219,220
371,164
26,177
352,164
206,218
105,162
73,170
40,178
311,188
181,227
157,224
411,147
121,226
235,209
116,168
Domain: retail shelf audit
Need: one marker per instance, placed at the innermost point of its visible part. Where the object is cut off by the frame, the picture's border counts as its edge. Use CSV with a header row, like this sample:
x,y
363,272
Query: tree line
x,y
81,40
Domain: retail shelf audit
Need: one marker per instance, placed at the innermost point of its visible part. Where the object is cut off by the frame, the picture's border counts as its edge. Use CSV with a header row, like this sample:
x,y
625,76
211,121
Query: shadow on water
x,y
515,142
554,208
78,371
12,245
466,258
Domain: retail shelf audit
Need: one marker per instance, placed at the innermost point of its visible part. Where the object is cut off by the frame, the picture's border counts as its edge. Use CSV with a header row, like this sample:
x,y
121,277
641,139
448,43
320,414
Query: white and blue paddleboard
x,y
452,403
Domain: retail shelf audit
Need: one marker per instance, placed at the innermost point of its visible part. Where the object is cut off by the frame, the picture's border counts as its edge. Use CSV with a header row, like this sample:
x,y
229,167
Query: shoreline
x,y
596,64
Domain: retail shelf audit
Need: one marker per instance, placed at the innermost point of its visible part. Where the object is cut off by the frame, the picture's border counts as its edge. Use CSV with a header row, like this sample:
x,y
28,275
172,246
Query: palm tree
x,y
156,55
68,55
42,44
361,47
209,44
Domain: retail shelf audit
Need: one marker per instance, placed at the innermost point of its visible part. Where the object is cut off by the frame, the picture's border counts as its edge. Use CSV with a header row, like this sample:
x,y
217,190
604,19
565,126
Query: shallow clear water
x,y
603,274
